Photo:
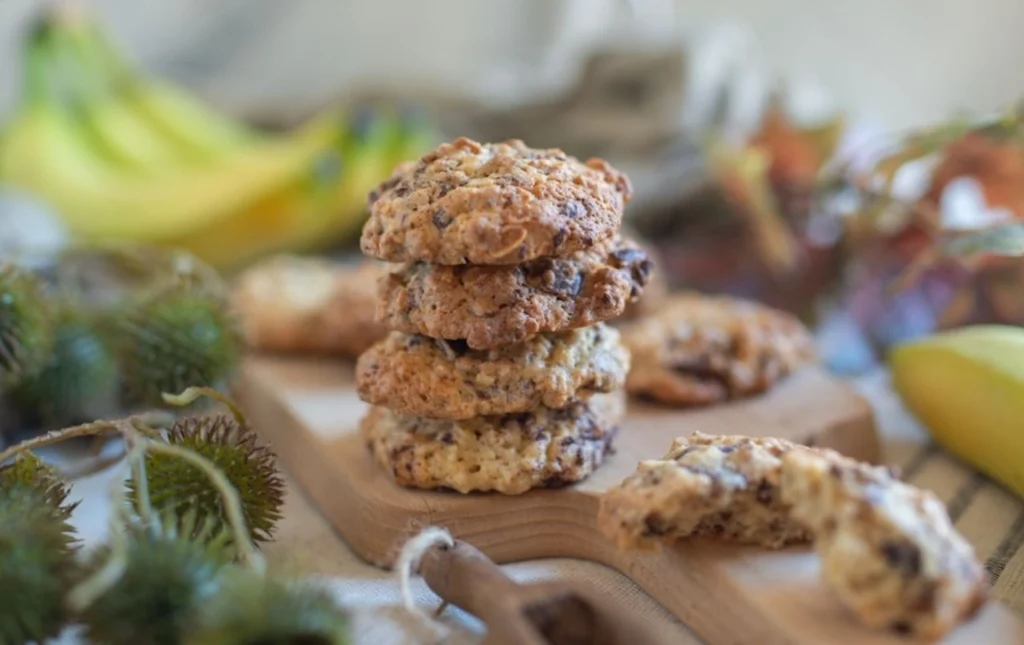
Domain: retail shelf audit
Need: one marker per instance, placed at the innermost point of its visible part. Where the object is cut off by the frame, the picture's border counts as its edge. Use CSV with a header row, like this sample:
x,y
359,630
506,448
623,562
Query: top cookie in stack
x,y
499,374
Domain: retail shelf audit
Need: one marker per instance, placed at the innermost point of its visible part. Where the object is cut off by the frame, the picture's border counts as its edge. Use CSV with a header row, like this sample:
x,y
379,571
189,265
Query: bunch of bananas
x,y
124,157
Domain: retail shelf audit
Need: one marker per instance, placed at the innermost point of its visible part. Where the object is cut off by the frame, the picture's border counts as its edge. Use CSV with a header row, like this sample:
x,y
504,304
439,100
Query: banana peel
x,y
967,387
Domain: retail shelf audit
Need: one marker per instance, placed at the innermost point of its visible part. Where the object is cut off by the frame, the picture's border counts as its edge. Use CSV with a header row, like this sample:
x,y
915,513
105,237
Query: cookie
x,y
698,350
508,454
725,487
888,549
491,307
496,203
311,306
445,379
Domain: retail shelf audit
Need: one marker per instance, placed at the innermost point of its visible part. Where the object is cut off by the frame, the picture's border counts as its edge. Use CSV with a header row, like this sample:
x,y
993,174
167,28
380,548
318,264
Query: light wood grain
x,y
309,411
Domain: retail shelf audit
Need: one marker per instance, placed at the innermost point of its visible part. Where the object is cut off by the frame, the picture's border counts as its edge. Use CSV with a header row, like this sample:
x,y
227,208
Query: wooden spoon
x,y
544,613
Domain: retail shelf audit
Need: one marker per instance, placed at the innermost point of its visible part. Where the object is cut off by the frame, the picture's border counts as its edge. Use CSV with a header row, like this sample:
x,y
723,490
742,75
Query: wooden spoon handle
x,y
467,578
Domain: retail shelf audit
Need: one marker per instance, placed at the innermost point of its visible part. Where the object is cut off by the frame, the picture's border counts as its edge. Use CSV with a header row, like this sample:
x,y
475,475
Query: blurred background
x,y
240,129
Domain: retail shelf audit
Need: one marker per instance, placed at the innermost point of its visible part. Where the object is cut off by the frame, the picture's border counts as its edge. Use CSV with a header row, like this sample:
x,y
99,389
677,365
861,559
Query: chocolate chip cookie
x,y
495,203
490,307
446,379
698,349
305,305
888,549
725,487
508,454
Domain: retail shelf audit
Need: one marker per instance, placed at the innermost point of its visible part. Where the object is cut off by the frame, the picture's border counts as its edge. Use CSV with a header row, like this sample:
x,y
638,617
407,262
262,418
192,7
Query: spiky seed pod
x,y
175,338
37,555
255,609
178,487
28,473
166,576
80,380
25,325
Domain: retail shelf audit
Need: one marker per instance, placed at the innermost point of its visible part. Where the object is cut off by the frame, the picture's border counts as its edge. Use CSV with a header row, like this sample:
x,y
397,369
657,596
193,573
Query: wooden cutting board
x,y
728,595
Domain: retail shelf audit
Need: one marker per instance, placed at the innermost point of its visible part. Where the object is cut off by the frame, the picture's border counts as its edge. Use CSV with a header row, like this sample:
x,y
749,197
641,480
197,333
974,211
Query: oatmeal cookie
x,y
307,305
725,487
445,379
491,307
495,203
888,549
699,349
509,454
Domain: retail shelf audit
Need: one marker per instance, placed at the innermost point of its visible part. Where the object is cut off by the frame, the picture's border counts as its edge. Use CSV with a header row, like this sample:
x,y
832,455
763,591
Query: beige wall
x,y
894,61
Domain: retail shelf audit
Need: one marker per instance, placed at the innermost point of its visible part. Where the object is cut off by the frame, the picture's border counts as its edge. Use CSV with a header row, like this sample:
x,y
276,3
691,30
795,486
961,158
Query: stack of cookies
x,y
499,373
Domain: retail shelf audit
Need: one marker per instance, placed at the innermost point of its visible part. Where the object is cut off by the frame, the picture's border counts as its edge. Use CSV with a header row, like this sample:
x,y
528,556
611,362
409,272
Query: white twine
x,y
408,563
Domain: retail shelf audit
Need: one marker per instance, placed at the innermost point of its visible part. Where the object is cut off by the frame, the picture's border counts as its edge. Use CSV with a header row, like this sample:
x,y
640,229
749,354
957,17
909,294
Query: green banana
x,y
199,132
116,129
44,153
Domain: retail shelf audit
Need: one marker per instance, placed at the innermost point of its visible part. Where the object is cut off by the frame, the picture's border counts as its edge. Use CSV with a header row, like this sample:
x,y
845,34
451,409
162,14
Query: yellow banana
x,y
967,387
44,154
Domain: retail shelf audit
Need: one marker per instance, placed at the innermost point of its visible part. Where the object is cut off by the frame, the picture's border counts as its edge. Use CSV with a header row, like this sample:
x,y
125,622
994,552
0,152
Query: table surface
x,y
989,517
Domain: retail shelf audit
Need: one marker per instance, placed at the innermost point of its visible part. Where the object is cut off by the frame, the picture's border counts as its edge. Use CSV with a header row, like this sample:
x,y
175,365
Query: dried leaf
x,y
825,137
917,146
967,248
1003,290
743,174
960,308
1006,240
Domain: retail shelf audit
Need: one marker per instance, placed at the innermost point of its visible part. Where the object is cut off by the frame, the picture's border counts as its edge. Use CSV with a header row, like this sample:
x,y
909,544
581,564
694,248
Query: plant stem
x,y
247,552
57,436
193,393
92,587
138,466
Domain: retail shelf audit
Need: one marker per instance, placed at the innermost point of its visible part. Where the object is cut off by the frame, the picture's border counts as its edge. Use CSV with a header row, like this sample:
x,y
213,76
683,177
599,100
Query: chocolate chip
x,y
623,257
642,271
573,209
556,481
444,188
452,349
441,219
559,237
523,419
904,556
902,627
403,189
562,279
447,438
654,524
764,493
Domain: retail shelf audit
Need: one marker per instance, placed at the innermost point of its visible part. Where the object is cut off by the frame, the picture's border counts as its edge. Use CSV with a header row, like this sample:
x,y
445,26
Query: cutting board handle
x,y
466,578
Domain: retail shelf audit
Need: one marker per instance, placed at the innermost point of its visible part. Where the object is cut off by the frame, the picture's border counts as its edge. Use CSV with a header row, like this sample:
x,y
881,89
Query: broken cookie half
x,y
726,487
887,549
